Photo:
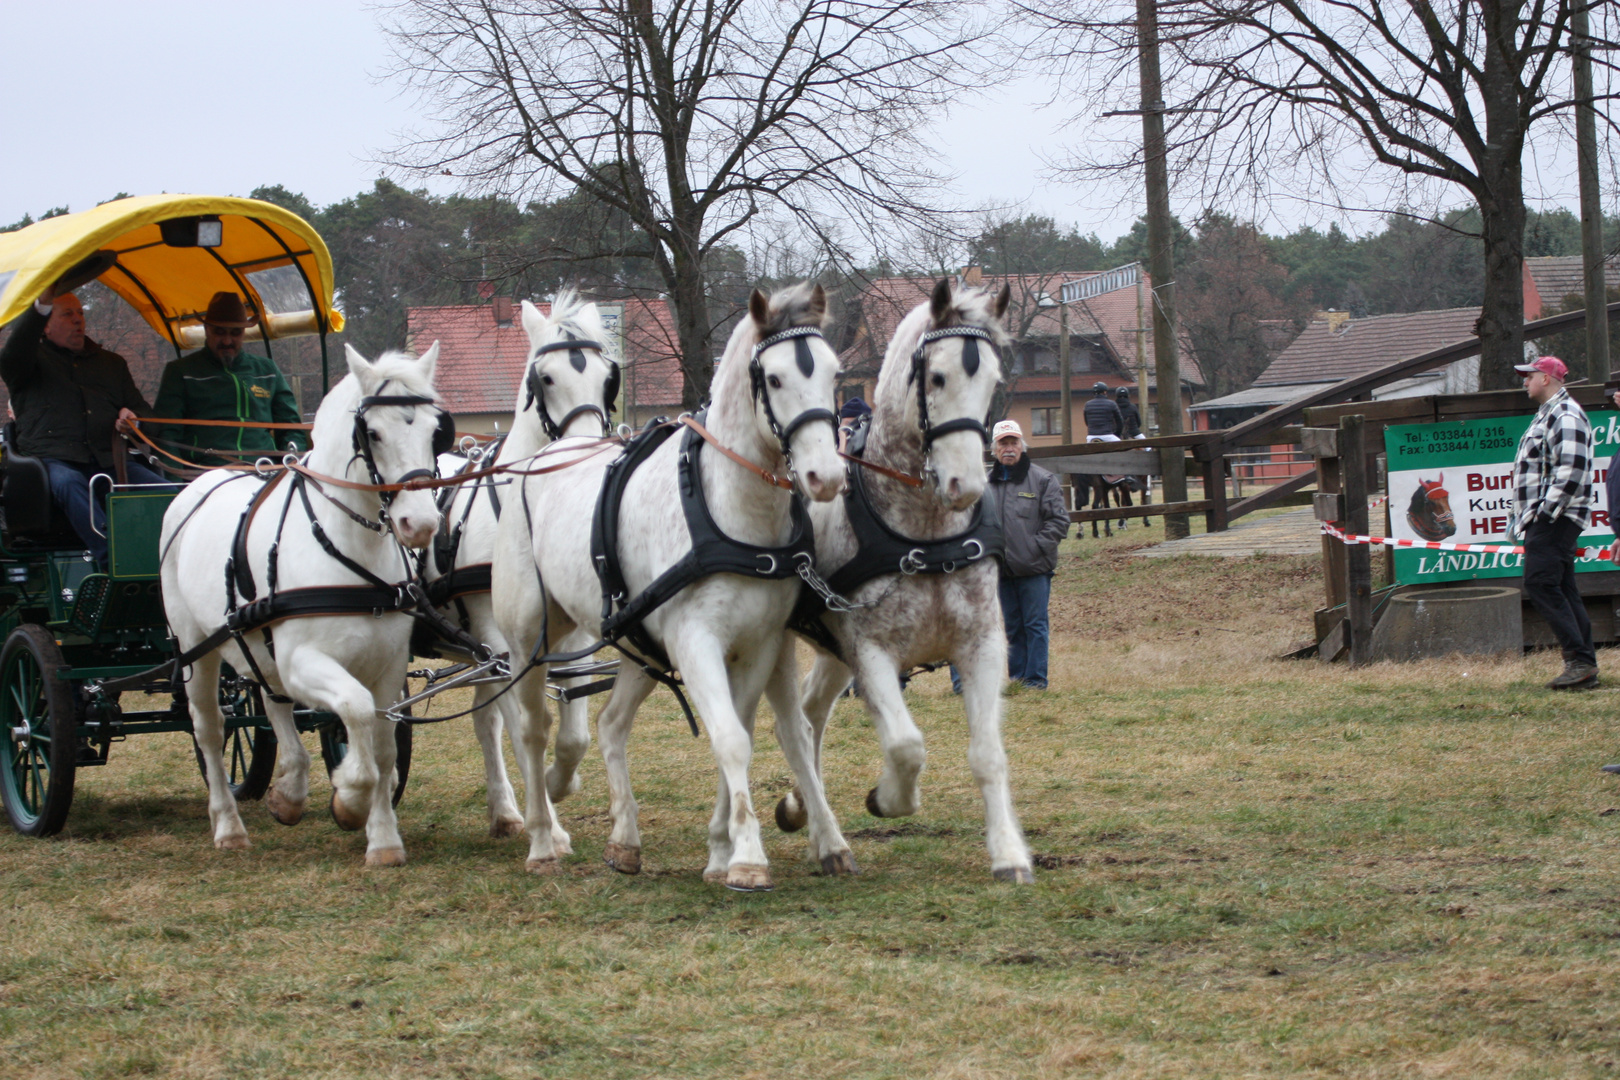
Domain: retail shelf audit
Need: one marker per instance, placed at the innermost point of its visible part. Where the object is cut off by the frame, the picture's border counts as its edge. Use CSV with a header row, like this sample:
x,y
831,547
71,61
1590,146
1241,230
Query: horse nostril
x,y
813,480
956,487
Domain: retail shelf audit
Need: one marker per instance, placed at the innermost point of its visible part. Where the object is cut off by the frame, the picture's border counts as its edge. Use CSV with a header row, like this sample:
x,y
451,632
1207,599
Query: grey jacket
x,y
1029,502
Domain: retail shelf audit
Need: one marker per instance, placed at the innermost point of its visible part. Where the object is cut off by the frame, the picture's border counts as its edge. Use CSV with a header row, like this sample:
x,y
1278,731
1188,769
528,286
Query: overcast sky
x,y
221,97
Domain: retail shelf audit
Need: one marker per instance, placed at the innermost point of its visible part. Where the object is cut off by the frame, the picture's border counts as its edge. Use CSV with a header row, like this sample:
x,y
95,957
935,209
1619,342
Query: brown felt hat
x,y
226,309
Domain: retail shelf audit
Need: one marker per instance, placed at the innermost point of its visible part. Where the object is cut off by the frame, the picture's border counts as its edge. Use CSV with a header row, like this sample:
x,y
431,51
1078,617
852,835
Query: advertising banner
x,y
1454,482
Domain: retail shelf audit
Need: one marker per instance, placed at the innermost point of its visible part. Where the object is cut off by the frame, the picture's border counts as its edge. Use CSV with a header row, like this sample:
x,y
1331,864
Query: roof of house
x,y
1112,315
1549,279
1322,355
481,361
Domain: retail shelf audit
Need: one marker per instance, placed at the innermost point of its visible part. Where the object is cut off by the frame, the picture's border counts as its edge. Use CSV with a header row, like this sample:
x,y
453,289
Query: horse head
x,y
938,380
381,425
570,378
791,376
1429,512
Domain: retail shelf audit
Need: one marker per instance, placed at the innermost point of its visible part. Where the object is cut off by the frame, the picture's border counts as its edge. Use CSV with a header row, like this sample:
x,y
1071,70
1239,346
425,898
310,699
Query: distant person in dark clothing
x,y
1128,413
69,395
1102,415
851,415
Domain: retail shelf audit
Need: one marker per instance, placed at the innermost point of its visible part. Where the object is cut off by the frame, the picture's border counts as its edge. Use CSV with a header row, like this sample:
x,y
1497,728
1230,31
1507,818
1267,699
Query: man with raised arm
x,y
69,395
221,382
1552,503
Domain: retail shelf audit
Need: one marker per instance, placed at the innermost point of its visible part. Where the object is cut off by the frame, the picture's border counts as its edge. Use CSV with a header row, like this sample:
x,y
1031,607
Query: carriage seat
x,y
25,495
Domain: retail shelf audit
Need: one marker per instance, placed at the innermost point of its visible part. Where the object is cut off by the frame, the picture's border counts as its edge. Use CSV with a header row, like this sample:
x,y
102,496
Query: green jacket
x,y
200,387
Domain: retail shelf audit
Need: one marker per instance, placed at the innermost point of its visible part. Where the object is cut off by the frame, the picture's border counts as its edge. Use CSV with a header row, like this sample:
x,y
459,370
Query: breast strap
x,y
880,550
713,552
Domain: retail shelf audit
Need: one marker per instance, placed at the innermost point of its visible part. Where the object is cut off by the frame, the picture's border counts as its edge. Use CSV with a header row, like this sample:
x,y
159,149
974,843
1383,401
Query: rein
x,y
708,437
906,478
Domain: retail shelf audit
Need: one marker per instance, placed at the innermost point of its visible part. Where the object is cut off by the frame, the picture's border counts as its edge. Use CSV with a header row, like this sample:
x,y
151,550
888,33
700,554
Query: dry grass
x,y
1250,868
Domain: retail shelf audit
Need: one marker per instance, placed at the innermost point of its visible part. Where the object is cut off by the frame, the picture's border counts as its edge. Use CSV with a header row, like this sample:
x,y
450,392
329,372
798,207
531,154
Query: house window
x,y
1044,422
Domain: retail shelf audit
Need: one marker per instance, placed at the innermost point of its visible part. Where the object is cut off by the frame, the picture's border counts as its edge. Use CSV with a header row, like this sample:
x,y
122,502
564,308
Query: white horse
x,y
723,632
377,424
934,388
564,391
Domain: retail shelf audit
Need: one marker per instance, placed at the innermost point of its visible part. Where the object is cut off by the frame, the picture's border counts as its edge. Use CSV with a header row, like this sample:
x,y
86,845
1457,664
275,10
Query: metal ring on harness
x,y
977,551
770,567
912,561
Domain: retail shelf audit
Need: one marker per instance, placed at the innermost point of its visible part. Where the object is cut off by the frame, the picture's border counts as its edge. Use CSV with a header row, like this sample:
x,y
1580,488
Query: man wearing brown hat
x,y
221,382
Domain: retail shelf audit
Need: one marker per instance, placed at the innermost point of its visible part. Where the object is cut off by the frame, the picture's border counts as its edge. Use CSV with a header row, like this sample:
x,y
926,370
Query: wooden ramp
x,y
1294,532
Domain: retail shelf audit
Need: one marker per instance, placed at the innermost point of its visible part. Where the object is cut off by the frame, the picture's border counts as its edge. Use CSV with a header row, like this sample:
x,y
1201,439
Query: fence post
x,y
1215,490
1357,557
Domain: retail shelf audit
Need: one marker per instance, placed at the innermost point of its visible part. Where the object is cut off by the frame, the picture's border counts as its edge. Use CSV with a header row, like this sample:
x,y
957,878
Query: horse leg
x,y
1123,495
981,665
897,793
828,678
531,728
208,728
613,724
504,817
736,854
363,785
288,797
827,844
573,737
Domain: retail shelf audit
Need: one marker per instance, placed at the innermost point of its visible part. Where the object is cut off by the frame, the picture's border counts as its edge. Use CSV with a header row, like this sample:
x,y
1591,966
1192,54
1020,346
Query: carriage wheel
x,y
250,752
39,717
335,747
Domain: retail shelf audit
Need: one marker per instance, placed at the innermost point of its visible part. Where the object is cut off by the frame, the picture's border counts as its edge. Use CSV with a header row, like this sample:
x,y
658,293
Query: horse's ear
x,y
759,308
1003,298
533,321
429,361
359,367
939,304
818,303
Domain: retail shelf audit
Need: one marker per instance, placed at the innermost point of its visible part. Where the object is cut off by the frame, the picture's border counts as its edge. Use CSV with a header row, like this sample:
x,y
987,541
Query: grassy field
x,y
1249,867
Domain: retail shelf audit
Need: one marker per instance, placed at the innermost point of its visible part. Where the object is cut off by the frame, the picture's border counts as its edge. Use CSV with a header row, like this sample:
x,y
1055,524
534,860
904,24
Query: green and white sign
x,y
1454,482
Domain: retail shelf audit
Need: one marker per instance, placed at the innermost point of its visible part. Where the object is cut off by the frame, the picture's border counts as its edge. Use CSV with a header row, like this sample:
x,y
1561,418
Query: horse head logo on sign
x,y
1430,511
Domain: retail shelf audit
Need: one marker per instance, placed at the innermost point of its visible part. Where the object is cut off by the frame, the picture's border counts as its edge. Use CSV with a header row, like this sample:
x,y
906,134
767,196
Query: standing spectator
x,y
1034,520
1129,413
1102,416
1552,503
851,416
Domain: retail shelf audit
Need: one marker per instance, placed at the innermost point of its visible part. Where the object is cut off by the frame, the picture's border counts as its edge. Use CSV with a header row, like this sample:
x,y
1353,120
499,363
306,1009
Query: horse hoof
x,y
839,862
626,860
717,877
791,815
283,809
386,856
543,866
746,878
1018,875
872,806
506,827
239,842
346,821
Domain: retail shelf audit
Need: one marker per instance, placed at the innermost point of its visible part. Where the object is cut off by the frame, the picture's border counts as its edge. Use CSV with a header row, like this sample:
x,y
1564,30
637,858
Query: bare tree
x,y
1443,92
692,118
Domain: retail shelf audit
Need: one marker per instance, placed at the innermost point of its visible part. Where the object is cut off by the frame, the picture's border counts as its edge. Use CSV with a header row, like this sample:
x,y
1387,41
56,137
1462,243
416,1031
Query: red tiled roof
x,y
481,363
1320,355
1549,279
885,301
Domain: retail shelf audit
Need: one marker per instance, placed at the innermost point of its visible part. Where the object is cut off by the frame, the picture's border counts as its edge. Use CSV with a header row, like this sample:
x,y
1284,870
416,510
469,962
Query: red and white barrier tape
x,y
1437,545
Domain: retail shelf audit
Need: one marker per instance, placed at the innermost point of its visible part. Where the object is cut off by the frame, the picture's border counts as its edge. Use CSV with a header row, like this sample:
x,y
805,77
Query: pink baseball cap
x,y
1006,427
1547,365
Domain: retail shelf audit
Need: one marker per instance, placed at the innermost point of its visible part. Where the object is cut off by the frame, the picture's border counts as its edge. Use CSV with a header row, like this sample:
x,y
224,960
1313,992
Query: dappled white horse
x,y
376,427
928,590
569,383
722,631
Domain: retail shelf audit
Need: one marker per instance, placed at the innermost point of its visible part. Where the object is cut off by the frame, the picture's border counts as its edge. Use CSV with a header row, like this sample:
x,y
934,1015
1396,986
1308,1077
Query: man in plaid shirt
x,y
1552,503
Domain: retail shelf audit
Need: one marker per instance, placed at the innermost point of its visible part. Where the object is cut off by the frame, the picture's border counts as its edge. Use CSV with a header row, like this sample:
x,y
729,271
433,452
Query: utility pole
x,y
1064,400
1597,303
1161,265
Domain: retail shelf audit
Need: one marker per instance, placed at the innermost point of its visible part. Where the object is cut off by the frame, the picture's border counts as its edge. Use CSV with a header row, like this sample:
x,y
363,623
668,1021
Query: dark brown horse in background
x,y
1099,487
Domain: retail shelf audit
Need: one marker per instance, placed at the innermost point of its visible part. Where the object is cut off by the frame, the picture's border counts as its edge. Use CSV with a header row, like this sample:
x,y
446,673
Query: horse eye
x,y
548,380
939,382
775,383
373,435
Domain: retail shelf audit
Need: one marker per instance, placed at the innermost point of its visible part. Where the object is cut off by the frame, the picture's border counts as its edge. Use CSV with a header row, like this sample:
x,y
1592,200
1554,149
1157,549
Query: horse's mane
x,y
577,316
969,307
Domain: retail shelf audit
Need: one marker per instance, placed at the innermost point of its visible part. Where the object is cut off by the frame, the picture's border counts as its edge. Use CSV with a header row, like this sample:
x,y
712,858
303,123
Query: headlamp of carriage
x,y
204,231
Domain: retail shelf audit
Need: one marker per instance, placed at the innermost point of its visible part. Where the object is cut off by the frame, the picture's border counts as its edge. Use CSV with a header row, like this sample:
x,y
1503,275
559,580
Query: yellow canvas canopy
x,y
270,256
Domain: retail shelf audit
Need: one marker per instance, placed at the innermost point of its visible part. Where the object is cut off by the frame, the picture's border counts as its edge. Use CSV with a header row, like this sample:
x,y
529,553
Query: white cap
x,y
1004,428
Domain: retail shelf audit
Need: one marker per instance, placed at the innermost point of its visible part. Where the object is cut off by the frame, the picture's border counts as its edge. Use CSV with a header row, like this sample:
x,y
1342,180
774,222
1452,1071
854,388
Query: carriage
x,y
76,639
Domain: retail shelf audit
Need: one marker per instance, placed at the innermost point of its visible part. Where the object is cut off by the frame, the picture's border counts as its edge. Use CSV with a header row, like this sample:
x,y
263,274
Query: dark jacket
x,y
66,403
200,387
1029,502
1133,420
1102,418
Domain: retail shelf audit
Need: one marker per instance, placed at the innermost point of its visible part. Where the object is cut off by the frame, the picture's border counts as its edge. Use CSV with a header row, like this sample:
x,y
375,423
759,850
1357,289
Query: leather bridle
x,y
971,336
800,336
576,356
362,442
